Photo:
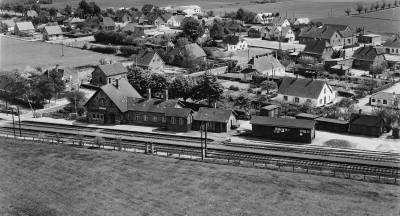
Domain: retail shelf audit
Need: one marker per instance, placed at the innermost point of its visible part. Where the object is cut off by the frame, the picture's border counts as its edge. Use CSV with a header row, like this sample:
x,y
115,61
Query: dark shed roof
x,y
330,120
178,112
366,120
282,122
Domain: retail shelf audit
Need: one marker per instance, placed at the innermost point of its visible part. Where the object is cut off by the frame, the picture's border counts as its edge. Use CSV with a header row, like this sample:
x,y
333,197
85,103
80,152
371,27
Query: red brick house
x,y
107,73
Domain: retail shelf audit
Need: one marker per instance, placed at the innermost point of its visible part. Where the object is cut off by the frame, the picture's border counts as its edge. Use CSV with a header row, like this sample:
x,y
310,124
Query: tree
x,y
383,5
268,85
217,31
376,6
210,13
365,10
139,79
192,28
348,11
77,100
306,107
208,88
68,9
159,82
181,87
53,11
359,7
56,78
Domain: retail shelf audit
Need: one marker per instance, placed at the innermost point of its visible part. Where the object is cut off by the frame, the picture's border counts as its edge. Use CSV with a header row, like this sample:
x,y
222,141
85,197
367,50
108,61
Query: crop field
x,y
42,179
17,54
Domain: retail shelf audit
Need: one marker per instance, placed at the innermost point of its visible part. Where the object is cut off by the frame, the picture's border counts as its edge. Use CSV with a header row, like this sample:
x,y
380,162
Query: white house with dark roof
x,y
300,91
393,46
108,73
385,99
52,33
148,59
175,21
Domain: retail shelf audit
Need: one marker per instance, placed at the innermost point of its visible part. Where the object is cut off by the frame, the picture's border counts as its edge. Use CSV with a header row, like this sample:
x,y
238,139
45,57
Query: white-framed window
x,y
145,117
173,120
154,118
137,117
296,100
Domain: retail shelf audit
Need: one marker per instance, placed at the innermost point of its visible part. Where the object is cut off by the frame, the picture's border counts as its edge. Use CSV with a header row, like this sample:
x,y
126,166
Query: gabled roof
x,y
325,32
147,8
53,30
316,47
385,95
282,122
264,63
74,20
119,95
393,43
24,26
153,105
31,13
305,88
366,120
213,115
178,18
113,69
144,57
178,112
108,21
8,22
368,52
193,51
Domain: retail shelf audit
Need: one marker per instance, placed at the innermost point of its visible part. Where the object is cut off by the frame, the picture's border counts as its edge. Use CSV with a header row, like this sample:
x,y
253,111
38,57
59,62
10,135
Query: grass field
x,y
46,180
19,54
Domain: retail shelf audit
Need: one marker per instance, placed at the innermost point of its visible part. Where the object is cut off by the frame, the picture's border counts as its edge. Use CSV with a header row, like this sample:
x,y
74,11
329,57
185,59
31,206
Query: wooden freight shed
x,y
296,130
368,125
332,125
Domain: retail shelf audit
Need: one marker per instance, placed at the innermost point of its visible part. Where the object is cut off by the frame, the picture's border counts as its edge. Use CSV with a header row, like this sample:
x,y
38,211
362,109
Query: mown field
x,y
20,54
42,179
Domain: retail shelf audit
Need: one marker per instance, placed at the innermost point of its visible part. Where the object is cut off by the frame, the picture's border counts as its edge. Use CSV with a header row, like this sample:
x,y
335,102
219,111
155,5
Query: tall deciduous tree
x,y
158,83
217,31
139,79
192,28
269,85
208,88
181,87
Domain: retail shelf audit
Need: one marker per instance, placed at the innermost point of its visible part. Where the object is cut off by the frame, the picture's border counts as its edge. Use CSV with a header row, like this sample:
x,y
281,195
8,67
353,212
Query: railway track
x,y
384,166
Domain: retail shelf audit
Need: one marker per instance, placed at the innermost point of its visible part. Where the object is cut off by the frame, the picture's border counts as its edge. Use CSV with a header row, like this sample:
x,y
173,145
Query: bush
x,y
233,88
250,90
107,50
129,50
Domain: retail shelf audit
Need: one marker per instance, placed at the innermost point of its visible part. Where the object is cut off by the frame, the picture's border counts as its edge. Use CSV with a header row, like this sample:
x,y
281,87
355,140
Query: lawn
x,y
41,179
20,54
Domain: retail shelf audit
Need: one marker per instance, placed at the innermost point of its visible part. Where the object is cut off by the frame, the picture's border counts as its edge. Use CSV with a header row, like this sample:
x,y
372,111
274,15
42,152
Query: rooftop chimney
x,y
166,94
149,93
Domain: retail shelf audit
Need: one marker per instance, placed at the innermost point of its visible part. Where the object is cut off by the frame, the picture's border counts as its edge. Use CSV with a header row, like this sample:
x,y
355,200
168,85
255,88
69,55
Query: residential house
x,y
280,22
285,129
339,66
217,120
284,34
316,51
367,57
393,46
108,24
263,18
148,59
267,65
385,99
255,32
158,20
108,73
73,22
24,29
175,21
133,29
299,91
370,39
52,33
233,43
302,21
31,14
109,103
187,54
267,33
179,119
148,8
367,125
9,23
189,10
338,36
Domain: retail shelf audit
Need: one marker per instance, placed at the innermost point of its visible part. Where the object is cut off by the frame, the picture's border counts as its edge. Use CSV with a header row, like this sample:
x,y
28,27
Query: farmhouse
x,y
368,125
217,120
296,130
338,36
367,57
52,33
385,99
316,51
108,73
24,29
299,91
393,46
267,65
108,24
109,102
148,59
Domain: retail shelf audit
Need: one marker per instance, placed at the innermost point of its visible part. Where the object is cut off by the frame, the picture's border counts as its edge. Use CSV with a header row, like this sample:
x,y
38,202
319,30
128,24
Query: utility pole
x,y
205,142
19,122
12,115
62,49
201,141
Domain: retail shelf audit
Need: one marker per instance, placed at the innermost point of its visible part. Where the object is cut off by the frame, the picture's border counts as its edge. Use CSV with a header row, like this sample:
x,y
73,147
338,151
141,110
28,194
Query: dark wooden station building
x,y
295,130
368,125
